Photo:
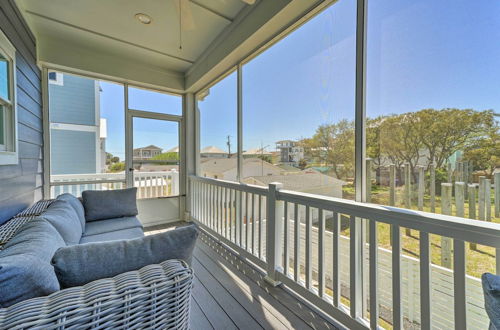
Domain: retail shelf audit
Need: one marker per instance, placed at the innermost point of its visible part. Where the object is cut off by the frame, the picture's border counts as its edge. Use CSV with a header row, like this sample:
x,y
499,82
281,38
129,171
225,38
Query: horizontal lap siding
x,y
21,184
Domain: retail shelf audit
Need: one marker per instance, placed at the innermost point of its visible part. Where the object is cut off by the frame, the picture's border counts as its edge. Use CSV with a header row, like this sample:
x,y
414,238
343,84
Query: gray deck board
x,y
230,294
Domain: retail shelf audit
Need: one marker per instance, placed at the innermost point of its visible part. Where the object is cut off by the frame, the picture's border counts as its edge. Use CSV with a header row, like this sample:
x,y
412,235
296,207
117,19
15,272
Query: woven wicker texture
x,y
11,227
154,297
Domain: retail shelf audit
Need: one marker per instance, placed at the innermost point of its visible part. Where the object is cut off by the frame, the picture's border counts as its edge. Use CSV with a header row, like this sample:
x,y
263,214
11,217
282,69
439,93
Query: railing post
x,y
274,214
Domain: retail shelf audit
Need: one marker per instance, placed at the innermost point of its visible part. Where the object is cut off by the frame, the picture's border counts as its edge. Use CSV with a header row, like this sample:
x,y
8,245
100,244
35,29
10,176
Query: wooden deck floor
x,y
230,294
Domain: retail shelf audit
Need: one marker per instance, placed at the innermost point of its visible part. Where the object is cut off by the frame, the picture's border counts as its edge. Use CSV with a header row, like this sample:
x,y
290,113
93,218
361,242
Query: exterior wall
x,y
74,102
72,152
75,149
21,184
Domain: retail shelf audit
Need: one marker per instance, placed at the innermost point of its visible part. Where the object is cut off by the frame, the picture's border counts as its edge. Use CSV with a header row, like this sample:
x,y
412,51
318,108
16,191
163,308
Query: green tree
x,y
484,151
167,157
302,164
116,167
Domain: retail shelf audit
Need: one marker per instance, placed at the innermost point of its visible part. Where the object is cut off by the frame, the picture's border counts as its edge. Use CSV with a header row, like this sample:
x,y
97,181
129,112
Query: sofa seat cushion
x,y
122,234
79,264
25,269
100,205
77,205
109,225
64,218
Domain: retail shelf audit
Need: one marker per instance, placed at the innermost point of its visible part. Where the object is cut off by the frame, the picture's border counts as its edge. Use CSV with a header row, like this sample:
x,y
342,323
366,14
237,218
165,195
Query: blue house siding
x,y
72,152
74,102
21,184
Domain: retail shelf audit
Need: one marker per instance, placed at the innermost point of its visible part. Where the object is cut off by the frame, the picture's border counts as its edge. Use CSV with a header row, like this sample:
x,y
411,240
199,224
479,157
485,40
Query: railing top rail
x,y
481,232
233,185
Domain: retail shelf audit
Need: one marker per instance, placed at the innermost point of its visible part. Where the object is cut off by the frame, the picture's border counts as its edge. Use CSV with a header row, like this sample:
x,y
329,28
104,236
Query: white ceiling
x,y
110,26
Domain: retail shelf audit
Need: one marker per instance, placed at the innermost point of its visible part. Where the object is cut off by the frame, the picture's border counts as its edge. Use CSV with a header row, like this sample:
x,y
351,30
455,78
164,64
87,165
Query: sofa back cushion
x,y
25,268
491,289
64,218
77,205
100,205
80,264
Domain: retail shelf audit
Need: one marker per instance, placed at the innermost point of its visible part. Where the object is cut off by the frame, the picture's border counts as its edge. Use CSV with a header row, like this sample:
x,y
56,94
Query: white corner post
x,y
191,148
274,214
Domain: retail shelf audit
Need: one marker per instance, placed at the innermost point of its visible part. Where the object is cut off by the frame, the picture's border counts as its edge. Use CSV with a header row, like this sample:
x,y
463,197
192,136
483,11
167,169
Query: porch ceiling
x,y
111,25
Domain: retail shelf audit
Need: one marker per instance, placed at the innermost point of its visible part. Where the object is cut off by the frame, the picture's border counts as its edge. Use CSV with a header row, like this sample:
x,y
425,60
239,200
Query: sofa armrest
x,y
156,296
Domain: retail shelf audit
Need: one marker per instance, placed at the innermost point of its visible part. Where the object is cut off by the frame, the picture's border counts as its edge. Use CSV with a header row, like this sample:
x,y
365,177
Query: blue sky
x,y
420,54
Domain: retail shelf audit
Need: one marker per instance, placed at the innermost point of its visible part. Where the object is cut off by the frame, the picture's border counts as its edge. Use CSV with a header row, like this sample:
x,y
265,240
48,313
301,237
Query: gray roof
x,y
221,165
212,150
301,181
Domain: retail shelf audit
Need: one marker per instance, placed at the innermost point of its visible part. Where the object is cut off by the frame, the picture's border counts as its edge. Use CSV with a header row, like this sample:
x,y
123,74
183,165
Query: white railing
x,y
149,184
345,276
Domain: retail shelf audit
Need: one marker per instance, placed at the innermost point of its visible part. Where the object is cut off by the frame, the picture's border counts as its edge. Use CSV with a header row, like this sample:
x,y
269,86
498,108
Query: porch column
x,y
190,151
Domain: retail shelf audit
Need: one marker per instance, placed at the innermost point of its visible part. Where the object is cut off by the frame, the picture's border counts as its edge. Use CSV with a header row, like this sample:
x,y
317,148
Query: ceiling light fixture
x,y
143,18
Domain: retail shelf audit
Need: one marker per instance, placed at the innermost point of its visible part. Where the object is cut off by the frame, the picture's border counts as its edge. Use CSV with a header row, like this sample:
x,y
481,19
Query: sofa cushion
x,y
109,225
109,204
80,264
63,217
117,235
491,289
25,269
76,205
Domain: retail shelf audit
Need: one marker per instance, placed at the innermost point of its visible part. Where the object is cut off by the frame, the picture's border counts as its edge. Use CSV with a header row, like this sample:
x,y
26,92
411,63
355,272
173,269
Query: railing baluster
x,y
247,223
396,278
459,284
240,218
355,284
286,263
336,259
308,248
221,212
260,226
227,212
321,253
253,224
425,281
373,274
296,251
231,217
224,211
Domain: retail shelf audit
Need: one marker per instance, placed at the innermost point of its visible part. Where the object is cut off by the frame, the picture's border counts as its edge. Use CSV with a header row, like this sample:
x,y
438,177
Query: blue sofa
x,y
81,261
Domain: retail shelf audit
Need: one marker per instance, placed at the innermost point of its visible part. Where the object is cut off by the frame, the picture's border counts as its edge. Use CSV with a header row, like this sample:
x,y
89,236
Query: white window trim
x,y
59,79
9,156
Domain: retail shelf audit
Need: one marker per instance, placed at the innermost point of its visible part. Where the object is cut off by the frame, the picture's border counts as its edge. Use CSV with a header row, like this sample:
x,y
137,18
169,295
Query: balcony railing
x,y
298,240
149,184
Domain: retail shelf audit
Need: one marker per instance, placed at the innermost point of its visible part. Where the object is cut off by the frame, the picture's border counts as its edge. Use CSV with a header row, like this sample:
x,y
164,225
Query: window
x,y
217,108
87,133
298,107
8,121
154,101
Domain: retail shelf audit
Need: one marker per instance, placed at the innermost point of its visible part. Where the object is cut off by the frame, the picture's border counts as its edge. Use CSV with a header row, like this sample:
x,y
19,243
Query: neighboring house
x,y
213,152
77,134
290,151
174,149
226,168
307,181
146,153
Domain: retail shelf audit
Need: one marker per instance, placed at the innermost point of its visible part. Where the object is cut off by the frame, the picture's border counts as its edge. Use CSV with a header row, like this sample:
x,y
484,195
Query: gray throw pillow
x,y
81,264
63,217
77,206
100,205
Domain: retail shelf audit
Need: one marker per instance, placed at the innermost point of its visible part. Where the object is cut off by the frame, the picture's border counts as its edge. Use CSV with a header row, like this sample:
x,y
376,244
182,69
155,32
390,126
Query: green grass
x,y
478,261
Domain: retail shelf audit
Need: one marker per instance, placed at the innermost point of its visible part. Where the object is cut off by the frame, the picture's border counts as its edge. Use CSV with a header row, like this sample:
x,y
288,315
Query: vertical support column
x,y
368,177
46,135
432,187
239,118
407,192
191,145
487,199
481,200
446,196
392,185
460,199
421,187
357,242
274,227
449,171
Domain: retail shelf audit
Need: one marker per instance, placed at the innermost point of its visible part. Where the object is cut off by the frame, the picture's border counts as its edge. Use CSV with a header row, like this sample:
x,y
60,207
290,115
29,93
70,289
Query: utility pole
x,y
229,146
262,157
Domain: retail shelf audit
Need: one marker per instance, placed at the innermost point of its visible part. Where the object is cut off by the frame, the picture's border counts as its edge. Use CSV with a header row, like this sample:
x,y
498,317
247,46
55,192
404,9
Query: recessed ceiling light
x,y
143,18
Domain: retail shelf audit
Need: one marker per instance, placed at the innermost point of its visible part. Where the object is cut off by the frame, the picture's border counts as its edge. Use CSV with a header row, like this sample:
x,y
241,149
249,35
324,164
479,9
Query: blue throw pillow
x,y
100,205
25,269
491,288
63,217
81,264
76,205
